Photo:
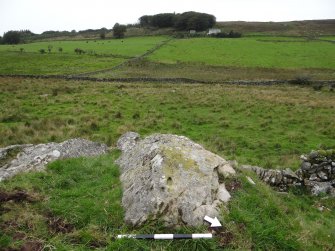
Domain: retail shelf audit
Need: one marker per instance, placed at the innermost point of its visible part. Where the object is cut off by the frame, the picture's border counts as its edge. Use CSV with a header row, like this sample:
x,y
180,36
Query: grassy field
x,y
129,47
100,54
46,64
294,28
255,125
208,59
197,71
248,52
328,38
76,204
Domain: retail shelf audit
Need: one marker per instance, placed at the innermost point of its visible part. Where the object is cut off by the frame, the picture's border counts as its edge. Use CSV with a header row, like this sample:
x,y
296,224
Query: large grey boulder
x,y
21,158
172,178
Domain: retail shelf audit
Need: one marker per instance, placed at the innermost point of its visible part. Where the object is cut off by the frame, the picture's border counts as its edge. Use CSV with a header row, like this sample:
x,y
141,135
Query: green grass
x,y
53,64
259,125
253,124
265,220
212,59
248,52
327,38
281,39
101,54
294,28
82,198
198,71
129,47
77,206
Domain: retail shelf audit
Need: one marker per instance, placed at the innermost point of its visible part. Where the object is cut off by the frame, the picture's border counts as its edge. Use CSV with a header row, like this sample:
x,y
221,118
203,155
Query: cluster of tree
x,y
119,30
11,37
163,20
95,31
52,34
15,37
231,34
186,21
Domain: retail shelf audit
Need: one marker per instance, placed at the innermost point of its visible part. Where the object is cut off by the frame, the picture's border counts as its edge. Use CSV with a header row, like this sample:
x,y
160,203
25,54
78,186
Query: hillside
x,y
292,28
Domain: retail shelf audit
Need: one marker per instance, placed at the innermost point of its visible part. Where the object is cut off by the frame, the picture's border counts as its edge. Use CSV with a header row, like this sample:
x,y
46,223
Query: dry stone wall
x,y
316,174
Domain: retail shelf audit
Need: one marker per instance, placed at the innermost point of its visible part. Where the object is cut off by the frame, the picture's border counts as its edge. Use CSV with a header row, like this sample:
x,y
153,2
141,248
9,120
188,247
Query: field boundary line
x,y
133,59
169,80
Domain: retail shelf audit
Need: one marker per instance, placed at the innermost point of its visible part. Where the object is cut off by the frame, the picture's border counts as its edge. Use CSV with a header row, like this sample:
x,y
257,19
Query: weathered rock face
x,y
170,177
21,158
317,173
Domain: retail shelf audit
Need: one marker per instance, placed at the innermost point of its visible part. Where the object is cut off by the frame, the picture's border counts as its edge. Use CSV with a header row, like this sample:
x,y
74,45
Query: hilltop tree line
x,y
15,37
22,36
186,21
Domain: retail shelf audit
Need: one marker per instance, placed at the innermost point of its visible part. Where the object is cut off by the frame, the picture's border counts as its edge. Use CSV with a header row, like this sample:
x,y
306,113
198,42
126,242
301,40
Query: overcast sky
x,y
42,15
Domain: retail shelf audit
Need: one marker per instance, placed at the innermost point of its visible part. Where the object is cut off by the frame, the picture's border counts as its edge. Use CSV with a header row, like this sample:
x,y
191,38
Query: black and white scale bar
x,y
166,236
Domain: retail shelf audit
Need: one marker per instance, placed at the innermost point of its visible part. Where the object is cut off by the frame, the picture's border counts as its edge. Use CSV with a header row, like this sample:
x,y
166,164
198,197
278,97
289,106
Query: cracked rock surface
x,y
22,158
171,178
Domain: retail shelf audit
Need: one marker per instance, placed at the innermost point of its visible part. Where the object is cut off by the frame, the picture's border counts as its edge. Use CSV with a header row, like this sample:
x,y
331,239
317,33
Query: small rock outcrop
x,y
172,178
21,158
316,173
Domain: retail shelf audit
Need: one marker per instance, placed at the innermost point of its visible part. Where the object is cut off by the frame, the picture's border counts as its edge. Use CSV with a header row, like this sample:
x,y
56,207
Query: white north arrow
x,y
214,222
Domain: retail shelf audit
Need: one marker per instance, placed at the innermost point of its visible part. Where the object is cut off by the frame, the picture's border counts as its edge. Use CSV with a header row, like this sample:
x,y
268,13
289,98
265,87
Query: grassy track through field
x,y
250,58
129,61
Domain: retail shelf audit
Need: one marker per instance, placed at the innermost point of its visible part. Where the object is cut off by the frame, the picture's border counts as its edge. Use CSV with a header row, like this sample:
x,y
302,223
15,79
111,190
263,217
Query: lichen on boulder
x,y
170,177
